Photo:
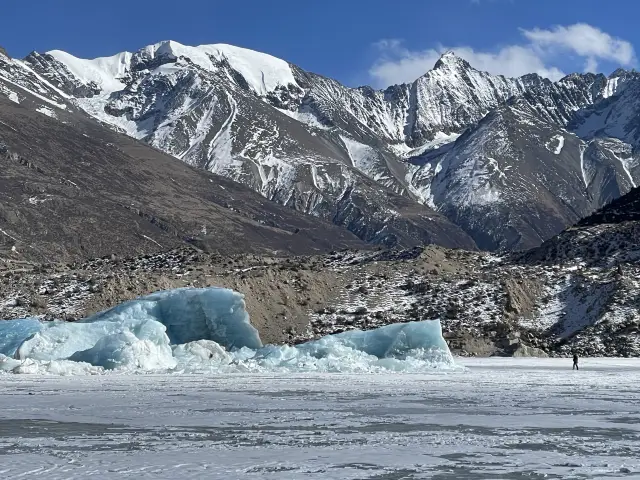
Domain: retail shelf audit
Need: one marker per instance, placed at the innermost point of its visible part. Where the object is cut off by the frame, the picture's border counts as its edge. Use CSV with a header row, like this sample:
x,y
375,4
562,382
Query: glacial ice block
x,y
126,351
136,334
406,347
14,332
391,341
191,314
207,331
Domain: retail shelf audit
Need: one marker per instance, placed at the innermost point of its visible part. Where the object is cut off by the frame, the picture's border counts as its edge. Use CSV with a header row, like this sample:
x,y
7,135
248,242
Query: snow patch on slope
x,y
558,140
307,118
105,72
623,152
11,95
582,166
611,88
262,72
31,92
220,152
46,111
363,157
439,140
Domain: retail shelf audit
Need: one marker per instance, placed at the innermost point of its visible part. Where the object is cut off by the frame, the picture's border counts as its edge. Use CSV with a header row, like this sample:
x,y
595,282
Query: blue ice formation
x,y
14,332
191,314
206,330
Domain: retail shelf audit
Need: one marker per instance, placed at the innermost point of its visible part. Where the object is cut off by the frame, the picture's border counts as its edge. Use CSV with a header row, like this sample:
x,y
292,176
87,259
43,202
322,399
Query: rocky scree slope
x,y
539,162
512,161
192,104
79,190
578,292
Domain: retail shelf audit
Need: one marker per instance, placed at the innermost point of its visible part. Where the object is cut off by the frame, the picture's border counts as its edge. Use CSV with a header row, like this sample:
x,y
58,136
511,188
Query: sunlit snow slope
x,y
512,161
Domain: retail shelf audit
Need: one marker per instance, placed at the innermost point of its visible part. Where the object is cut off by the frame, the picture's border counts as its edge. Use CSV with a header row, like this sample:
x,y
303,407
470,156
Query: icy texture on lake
x,y
499,418
206,331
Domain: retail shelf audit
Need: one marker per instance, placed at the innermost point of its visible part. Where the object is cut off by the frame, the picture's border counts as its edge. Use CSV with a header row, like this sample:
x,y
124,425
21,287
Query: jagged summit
x,y
618,72
262,72
4,52
526,155
451,60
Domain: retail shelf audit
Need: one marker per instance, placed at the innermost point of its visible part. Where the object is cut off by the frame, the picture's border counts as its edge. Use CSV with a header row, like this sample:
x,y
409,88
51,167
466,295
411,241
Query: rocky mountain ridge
x,y
578,292
510,161
357,202
79,190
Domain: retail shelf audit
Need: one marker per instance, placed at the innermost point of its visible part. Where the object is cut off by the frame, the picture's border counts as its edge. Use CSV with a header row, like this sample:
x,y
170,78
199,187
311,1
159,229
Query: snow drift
x,y
205,331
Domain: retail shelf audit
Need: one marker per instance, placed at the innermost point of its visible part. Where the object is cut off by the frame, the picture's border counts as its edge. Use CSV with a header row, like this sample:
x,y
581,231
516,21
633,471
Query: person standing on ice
x,y
575,362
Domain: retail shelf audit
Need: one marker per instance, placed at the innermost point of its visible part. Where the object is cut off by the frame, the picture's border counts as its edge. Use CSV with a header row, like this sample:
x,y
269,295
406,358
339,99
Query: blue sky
x,y
357,42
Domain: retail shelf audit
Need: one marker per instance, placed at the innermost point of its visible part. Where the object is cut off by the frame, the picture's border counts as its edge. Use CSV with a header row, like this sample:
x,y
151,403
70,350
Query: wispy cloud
x,y
583,40
538,53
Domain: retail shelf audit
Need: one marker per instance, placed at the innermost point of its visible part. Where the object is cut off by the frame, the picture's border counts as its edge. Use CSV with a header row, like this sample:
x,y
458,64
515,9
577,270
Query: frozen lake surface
x,y
499,419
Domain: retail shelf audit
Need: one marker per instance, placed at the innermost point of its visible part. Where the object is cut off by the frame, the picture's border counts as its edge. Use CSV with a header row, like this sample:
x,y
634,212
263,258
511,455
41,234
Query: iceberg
x,y
408,347
206,330
14,332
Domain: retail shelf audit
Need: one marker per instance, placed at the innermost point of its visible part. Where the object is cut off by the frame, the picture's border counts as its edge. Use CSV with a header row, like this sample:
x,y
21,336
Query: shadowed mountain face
x,y
607,237
623,209
69,192
330,191
509,161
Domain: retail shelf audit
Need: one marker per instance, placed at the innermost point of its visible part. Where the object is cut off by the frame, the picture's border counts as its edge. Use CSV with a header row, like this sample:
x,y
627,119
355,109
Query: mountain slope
x,y
510,161
579,292
71,192
528,169
204,106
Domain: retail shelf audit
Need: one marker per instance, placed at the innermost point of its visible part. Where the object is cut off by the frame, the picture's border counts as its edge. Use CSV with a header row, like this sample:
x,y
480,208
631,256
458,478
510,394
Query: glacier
x,y
206,330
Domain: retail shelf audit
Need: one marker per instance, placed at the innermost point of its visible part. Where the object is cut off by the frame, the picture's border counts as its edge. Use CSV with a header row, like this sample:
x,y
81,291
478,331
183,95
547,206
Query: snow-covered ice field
x,y
499,419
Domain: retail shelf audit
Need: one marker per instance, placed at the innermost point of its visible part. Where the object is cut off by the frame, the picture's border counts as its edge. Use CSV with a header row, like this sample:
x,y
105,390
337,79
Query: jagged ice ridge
x,y
206,330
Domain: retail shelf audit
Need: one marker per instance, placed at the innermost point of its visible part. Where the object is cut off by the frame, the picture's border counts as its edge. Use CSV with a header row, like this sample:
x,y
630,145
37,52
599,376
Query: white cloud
x,y
540,55
583,40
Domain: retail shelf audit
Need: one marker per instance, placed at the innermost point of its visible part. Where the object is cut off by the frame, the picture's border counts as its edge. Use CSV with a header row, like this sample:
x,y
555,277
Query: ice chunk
x,y
55,367
206,330
60,340
409,347
125,351
14,332
185,315
392,341
202,351
191,314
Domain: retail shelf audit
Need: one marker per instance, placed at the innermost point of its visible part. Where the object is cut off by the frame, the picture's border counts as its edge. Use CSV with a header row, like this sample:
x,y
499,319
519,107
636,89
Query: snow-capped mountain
x,y
511,161
538,162
207,107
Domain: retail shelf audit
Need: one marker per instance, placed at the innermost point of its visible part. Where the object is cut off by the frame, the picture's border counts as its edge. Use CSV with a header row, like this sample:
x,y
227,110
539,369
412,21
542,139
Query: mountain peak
x,y
3,52
163,48
619,72
450,60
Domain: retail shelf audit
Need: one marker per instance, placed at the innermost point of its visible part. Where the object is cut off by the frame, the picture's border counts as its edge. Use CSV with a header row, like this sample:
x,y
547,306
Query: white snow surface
x,y
560,145
263,72
498,418
13,96
206,330
46,111
105,72
440,139
611,88
363,157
